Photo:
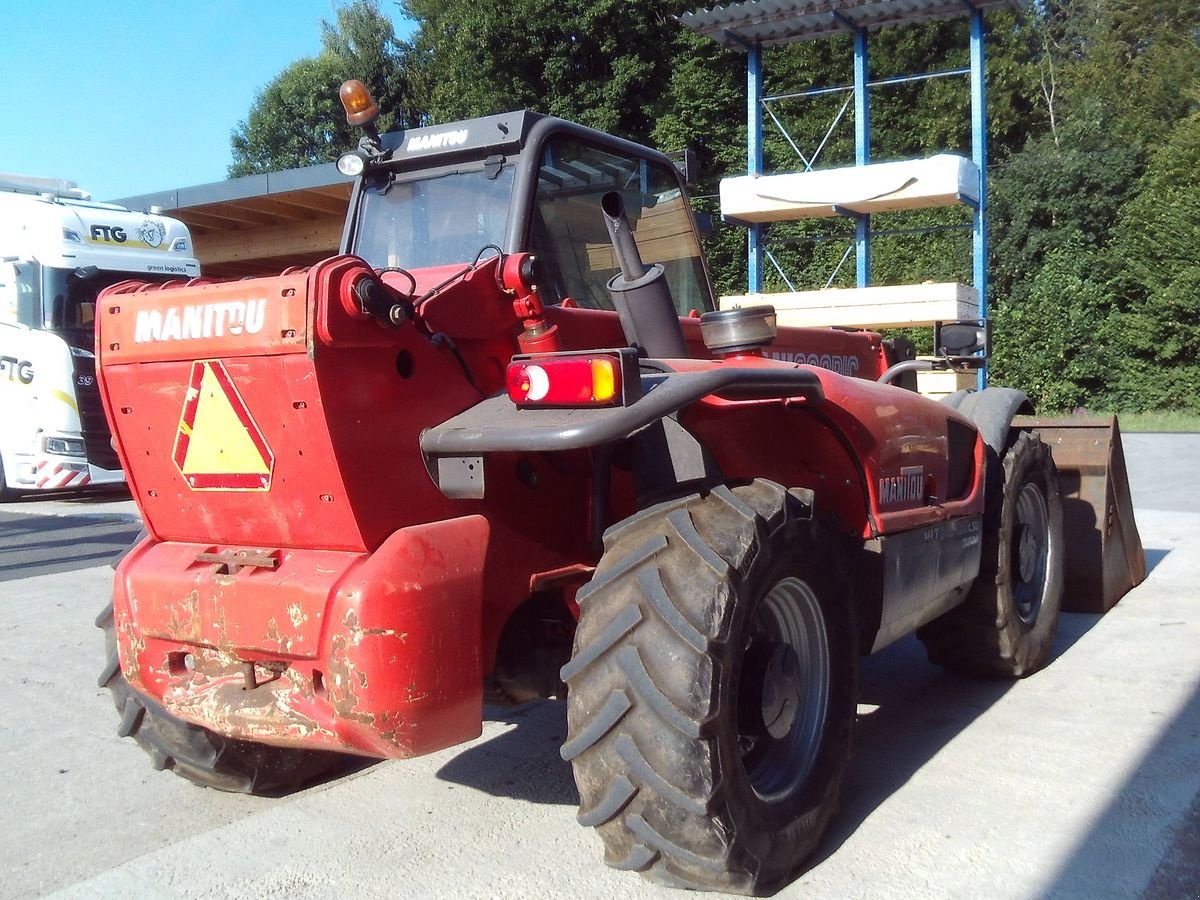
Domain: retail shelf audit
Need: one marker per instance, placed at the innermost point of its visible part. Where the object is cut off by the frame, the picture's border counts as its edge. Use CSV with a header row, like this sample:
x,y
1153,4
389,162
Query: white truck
x,y
58,250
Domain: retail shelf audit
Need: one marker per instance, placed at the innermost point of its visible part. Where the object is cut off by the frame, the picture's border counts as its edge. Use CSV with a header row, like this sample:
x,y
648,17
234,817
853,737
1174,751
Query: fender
x,y
454,450
991,411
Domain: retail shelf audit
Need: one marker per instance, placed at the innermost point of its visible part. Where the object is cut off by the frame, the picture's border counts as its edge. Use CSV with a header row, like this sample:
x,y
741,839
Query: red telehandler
x,y
488,452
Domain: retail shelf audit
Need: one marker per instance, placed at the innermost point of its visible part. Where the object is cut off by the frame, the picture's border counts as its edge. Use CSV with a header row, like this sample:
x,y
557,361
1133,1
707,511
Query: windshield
x,y
69,299
434,221
569,235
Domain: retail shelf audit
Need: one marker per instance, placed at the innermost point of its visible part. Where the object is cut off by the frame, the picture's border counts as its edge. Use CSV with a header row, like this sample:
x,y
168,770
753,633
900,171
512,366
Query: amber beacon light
x,y
361,110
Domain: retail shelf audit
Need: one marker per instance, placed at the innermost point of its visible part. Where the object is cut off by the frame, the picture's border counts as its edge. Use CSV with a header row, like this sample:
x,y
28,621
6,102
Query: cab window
x,y
69,297
433,219
569,236
18,292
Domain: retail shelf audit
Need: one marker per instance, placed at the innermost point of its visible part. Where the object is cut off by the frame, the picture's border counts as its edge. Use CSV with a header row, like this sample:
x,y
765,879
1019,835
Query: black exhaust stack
x,y
641,295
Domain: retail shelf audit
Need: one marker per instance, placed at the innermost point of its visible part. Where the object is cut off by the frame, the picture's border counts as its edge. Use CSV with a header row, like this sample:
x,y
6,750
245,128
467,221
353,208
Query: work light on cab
x,y
585,380
352,163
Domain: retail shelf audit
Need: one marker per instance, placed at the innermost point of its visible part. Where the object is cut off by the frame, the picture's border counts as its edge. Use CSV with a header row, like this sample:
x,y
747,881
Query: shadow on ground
x,y
32,545
916,708
523,762
1153,558
1120,856
84,499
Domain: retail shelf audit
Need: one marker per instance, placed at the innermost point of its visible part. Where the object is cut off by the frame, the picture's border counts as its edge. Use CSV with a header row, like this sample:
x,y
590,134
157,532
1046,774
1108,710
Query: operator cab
x,y
524,182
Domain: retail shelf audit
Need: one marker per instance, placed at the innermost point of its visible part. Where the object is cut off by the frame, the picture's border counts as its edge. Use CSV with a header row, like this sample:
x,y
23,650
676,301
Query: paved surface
x,y
44,545
1081,782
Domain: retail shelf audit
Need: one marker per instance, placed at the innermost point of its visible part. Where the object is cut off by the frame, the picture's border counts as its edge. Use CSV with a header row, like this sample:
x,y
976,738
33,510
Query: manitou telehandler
x,y
488,452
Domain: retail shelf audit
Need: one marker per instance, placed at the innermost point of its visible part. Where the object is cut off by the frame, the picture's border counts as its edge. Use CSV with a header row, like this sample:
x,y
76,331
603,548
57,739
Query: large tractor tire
x,y
713,689
202,756
1007,624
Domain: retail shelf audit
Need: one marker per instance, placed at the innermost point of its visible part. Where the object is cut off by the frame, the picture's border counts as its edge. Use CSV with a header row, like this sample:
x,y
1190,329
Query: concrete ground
x,y
1080,782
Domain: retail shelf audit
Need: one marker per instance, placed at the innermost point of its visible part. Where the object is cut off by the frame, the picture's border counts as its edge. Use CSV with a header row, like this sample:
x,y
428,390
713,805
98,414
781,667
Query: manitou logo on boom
x,y
202,320
907,487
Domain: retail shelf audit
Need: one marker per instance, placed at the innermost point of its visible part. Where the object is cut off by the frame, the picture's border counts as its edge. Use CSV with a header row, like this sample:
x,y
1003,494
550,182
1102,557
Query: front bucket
x,y
1104,557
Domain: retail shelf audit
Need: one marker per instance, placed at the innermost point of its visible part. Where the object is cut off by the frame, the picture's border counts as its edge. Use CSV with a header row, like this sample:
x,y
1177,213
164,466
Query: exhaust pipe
x,y
641,295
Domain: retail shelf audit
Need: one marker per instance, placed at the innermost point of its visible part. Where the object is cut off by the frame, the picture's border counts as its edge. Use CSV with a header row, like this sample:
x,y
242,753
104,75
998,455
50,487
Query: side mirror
x,y
687,164
962,338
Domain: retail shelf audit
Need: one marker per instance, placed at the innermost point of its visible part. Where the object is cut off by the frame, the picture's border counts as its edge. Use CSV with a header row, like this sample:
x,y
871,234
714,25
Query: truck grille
x,y
97,439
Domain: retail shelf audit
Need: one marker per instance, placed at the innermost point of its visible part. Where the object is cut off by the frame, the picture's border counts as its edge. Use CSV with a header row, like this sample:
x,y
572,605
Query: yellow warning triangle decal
x,y
219,446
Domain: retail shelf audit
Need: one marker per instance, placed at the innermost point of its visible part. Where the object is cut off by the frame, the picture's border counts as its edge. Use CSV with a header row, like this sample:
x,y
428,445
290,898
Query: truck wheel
x,y
202,756
713,689
1006,626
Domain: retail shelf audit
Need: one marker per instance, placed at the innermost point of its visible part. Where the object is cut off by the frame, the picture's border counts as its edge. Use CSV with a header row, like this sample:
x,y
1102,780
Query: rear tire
x,y
713,689
1007,624
202,756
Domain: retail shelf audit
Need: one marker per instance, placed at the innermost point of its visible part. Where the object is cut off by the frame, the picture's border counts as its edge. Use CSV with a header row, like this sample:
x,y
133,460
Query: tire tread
x,y
645,766
204,757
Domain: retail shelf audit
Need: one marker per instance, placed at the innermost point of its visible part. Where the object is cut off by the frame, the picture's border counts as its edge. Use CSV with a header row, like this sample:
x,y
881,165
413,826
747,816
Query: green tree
x,y
1059,191
1069,213
1057,345
1156,256
603,63
1091,154
296,120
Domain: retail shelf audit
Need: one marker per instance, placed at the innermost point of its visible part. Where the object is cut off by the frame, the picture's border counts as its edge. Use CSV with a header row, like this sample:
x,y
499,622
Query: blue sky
x,y
131,98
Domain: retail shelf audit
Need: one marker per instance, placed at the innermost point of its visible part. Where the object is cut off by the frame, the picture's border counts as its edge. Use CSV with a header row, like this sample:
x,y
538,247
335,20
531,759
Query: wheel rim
x,y
1030,552
784,691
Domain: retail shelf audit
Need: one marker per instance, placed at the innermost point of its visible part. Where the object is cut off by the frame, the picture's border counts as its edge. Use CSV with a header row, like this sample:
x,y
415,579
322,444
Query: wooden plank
x,y
314,239
886,306
658,237
944,383
942,180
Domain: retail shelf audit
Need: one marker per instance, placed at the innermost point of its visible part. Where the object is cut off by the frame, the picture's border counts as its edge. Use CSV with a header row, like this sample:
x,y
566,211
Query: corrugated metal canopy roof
x,y
764,22
259,224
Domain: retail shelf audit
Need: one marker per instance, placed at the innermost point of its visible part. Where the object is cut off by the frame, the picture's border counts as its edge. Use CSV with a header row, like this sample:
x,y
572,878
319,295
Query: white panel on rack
x,y
942,180
887,306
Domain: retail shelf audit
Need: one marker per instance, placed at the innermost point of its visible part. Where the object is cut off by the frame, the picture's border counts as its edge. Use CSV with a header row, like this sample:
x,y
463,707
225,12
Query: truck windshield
x,y
433,221
69,299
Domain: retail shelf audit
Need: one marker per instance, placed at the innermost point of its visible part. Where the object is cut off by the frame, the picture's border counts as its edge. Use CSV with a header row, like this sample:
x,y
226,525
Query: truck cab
x,y
58,250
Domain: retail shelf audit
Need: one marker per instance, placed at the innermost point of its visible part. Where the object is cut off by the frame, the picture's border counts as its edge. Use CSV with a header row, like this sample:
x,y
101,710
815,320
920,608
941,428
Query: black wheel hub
x,y
770,690
783,693
1029,552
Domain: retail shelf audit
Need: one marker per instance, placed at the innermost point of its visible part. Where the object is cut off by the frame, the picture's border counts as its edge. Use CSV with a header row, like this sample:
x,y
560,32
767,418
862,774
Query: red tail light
x,y
591,380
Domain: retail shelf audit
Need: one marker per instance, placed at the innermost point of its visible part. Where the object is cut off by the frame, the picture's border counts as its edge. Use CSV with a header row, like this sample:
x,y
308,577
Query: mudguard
x,y
991,411
454,449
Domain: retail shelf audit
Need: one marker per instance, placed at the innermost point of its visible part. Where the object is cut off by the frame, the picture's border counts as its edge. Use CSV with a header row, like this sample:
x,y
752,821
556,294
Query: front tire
x,y
1007,624
713,689
202,756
